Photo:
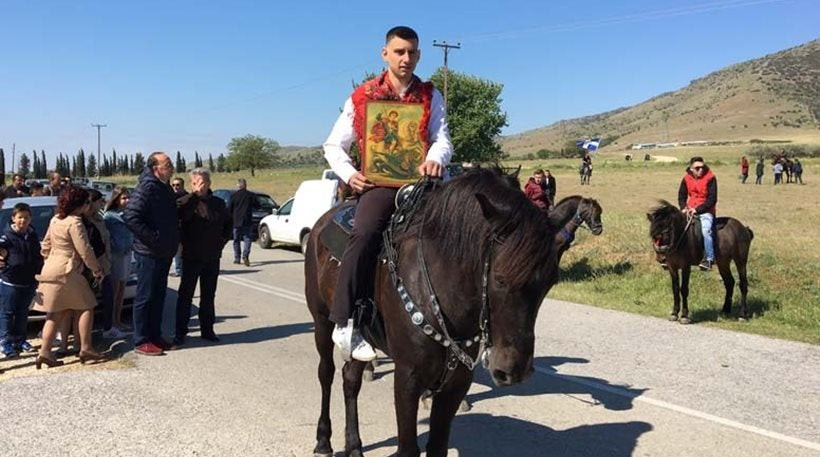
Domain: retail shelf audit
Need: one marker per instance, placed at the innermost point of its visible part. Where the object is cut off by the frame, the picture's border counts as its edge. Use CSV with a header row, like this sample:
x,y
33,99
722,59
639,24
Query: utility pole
x,y
13,147
98,127
446,47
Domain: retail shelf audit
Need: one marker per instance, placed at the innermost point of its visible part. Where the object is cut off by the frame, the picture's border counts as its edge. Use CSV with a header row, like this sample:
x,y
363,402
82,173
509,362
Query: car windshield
x,y
264,201
40,218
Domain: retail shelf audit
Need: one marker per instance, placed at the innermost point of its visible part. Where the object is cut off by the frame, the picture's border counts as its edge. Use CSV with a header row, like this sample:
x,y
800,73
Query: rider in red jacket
x,y
697,196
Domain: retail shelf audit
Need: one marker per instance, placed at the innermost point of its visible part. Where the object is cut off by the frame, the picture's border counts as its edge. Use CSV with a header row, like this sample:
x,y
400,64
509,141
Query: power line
x,y
98,127
446,48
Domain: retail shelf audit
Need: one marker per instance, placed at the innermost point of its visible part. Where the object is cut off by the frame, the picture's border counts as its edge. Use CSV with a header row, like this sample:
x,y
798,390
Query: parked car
x,y
42,210
291,224
262,206
105,187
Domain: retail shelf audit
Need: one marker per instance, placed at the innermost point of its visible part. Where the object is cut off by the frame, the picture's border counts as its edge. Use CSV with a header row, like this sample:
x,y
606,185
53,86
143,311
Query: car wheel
x,y
304,242
264,237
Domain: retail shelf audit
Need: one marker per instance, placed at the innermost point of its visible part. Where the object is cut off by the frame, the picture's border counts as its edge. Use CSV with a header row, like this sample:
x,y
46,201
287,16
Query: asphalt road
x,y
606,384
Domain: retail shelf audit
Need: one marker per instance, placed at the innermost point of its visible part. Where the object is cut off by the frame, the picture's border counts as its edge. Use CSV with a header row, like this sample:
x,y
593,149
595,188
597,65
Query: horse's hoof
x,y
685,321
464,406
323,454
367,376
741,319
355,453
673,317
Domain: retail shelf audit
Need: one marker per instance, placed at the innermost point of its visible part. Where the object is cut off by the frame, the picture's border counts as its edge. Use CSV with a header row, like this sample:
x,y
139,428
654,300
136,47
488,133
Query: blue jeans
x,y
14,303
152,282
178,261
706,222
241,234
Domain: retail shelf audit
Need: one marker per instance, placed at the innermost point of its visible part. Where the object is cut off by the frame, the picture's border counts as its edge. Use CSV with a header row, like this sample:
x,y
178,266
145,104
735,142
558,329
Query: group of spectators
x,y
781,164
18,188
88,248
541,188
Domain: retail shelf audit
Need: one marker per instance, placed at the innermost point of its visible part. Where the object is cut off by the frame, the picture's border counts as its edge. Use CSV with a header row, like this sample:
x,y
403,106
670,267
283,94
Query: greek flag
x,y
589,145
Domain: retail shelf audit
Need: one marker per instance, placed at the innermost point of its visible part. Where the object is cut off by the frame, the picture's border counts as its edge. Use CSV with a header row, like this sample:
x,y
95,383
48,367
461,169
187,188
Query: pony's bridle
x,y
456,349
665,250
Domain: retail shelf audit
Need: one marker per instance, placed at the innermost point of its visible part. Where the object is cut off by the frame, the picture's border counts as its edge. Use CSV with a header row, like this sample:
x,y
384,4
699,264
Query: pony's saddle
x,y
336,234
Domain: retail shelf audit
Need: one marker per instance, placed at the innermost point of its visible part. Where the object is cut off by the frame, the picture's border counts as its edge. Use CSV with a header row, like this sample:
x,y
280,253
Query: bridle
x,y
665,250
456,349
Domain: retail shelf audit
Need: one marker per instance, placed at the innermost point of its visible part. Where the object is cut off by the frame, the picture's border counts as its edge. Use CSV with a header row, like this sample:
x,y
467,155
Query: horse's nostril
x,y
501,377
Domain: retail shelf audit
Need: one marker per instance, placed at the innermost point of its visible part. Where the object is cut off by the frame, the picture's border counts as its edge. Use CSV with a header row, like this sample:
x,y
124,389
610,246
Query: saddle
x,y
335,237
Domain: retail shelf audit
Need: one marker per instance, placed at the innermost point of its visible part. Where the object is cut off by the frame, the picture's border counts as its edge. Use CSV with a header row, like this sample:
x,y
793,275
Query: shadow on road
x,y
757,308
254,335
569,385
581,270
488,435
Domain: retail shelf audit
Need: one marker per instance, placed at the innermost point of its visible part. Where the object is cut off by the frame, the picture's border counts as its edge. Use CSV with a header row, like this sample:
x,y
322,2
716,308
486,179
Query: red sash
x,y
380,88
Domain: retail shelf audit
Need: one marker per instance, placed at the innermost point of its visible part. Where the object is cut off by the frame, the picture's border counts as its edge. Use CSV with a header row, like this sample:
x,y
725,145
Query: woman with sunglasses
x,y
697,196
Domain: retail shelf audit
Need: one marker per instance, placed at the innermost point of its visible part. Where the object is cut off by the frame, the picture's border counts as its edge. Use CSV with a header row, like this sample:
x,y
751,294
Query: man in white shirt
x,y
375,203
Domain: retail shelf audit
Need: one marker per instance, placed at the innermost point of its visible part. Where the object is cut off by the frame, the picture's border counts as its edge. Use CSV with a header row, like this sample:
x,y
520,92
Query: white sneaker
x,y
342,337
363,351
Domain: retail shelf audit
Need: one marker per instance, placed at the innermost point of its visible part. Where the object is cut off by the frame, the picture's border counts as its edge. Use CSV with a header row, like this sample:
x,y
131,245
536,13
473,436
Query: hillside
x,y
773,97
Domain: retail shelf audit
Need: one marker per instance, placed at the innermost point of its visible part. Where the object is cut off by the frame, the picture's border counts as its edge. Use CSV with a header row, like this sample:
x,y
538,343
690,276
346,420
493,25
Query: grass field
x,y
617,269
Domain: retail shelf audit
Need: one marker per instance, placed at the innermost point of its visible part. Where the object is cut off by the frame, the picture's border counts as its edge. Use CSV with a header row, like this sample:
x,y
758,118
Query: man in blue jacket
x,y
151,215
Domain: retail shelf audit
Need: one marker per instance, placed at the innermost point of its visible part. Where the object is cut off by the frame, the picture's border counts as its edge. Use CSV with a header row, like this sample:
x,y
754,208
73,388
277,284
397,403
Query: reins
x,y
456,350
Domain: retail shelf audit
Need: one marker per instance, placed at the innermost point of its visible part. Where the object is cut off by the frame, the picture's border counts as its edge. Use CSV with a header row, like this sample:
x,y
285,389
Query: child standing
x,y
20,253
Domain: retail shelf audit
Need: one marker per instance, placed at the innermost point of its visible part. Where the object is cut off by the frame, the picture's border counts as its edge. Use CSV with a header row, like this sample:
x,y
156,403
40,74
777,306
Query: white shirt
x,y
337,145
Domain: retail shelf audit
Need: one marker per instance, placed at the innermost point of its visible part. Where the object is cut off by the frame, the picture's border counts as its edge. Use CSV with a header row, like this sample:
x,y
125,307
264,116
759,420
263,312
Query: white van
x,y
291,223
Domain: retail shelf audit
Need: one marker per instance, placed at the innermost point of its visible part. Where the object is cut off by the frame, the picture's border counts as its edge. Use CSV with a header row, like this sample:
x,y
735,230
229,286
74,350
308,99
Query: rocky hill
x,y
776,97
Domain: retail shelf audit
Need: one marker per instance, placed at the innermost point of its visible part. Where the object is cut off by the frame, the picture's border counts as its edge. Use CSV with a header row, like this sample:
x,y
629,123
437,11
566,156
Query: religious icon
x,y
393,147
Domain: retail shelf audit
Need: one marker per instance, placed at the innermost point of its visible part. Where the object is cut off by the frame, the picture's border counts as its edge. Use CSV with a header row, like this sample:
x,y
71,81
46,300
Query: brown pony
x,y
680,244
468,270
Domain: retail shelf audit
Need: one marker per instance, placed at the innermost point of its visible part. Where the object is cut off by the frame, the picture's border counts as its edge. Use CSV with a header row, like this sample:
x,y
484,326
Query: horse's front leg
x,y
673,274
352,375
684,294
327,369
445,405
407,392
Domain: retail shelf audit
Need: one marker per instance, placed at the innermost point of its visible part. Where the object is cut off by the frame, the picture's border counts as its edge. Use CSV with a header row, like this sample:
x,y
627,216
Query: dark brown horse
x,y
571,213
472,269
679,243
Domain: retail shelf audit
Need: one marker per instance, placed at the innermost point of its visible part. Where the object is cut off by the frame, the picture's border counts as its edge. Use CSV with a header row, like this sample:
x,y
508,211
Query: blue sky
x,y
190,75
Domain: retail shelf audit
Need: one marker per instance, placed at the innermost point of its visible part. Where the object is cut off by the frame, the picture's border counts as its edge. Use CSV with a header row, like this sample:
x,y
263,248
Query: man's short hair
x,y
241,183
180,179
16,175
201,171
696,159
538,172
403,32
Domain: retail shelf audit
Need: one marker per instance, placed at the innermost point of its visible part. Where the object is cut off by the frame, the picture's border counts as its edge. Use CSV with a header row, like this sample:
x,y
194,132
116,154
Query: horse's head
x,y
520,270
590,212
664,228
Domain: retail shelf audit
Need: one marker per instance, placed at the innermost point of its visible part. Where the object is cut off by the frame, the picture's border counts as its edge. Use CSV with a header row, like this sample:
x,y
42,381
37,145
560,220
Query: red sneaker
x,y
148,349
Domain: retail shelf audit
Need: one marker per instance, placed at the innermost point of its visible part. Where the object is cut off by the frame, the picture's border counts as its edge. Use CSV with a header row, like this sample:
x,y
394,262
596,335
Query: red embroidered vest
x,y
698,190
380,88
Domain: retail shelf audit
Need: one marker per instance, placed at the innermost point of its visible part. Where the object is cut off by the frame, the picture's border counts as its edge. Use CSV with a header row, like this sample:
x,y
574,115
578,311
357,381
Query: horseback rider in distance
x,y
376,203
697,196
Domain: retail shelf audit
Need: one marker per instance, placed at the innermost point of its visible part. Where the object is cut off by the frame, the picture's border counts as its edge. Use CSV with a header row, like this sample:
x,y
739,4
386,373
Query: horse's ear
x,y
649,216
491,212
516,172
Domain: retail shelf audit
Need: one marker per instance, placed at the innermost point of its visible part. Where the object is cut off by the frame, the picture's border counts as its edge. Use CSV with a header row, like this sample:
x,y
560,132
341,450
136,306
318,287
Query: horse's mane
x,y
663,215
453,218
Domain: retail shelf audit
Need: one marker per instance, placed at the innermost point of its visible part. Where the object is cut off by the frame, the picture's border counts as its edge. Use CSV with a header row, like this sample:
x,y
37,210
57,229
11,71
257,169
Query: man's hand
x,y
359,183
689,211
431,168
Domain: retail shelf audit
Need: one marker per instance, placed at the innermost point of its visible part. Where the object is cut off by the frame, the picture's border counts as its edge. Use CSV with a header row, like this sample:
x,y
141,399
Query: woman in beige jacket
x,y
67,251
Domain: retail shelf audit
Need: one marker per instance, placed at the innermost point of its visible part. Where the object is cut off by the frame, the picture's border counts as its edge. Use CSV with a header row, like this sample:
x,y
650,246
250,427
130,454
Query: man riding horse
x,y
697,196
376,203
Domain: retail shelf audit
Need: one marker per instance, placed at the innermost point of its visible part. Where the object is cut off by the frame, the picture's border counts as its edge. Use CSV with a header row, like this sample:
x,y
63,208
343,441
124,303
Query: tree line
x,y
474,115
